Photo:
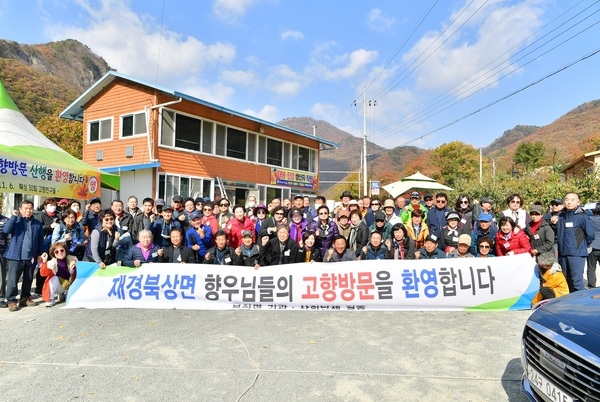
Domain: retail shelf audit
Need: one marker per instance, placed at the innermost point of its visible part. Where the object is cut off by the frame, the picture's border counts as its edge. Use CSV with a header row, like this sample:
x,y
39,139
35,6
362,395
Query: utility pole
x,y
364,151
365,142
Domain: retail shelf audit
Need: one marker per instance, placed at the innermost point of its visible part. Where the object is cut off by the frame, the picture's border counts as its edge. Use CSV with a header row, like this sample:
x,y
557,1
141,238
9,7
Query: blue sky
x,y
283,58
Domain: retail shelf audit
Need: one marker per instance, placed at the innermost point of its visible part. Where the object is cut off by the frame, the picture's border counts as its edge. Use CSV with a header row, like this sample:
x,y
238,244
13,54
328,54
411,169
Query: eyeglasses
x,y
484,246
440,201
207,209
278,213
223,205
260,212
428,199
379,220
59,251
515,201
375,203
323,213
108,219
464,202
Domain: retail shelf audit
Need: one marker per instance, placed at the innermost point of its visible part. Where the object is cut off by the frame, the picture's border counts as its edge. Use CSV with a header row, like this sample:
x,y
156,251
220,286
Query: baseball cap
x,y
177,198
485,217
428,196
415,194
452,215
246,233
95,200
193,215
160,202
431,237
464,239
485,200
298,196
379,216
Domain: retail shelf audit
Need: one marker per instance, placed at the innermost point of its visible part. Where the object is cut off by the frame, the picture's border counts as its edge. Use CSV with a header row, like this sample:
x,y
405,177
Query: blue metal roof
x,y
128,168
75,110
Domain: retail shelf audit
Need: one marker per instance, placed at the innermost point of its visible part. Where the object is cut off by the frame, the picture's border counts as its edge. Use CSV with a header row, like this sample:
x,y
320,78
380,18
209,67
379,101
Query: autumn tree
x,y
457,162
65,133
529,155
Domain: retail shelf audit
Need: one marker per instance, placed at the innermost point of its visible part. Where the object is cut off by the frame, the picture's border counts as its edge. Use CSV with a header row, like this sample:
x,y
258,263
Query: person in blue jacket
x,y
430,250
24,249
575,234
143,252
375,249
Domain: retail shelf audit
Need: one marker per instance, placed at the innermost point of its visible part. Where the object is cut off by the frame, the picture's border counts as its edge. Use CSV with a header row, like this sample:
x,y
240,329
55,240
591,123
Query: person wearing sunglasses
x,y
325,228
484,228
260,215
485,247
515,211
103,242
270,224
369,216
209,218
224,215
436,218
59,272
464,208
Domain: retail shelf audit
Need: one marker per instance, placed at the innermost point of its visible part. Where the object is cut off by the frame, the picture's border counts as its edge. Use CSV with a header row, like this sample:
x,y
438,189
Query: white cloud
x,y
282,80
377,21
268,113
217,93
334,68
494,30
291,34
231,10
240,77
133,45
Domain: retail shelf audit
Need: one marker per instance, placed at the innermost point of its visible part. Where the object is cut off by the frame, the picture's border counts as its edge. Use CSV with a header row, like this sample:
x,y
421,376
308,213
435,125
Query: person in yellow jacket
x,y
416,228
552,280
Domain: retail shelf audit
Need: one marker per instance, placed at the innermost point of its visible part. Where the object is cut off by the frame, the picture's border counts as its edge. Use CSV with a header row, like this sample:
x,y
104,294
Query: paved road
x,y
156,355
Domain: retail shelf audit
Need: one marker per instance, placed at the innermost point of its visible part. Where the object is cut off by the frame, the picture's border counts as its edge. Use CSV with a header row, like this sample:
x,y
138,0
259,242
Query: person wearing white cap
x,y
451,233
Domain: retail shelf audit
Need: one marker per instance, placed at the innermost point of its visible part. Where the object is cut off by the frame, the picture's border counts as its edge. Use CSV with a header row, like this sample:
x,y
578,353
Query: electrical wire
x,y
414,121
473,80
587,56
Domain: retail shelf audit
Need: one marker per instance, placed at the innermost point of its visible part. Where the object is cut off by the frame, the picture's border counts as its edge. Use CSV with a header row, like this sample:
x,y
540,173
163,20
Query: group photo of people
x,y
40,246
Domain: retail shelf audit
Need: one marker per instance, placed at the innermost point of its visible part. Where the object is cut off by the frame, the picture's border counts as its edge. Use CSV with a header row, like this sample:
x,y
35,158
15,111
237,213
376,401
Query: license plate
x,y
546,387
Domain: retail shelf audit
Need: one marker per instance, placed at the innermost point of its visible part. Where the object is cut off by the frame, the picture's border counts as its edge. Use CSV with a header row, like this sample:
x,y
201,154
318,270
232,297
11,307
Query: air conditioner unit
x,y
129,151
100,155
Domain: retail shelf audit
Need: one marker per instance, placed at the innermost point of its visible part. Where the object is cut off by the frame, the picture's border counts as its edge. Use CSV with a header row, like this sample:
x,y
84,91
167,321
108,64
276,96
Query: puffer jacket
x,y
575,233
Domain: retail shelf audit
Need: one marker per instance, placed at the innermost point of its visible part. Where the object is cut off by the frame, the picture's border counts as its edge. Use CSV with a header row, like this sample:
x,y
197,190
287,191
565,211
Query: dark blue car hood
x,y
574,315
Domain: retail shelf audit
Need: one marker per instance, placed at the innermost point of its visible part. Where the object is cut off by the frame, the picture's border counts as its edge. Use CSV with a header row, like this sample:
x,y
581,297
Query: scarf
x,y
535,226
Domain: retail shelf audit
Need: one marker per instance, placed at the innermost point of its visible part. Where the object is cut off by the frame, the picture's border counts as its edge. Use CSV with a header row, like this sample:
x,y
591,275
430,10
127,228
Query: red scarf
x,y
534,226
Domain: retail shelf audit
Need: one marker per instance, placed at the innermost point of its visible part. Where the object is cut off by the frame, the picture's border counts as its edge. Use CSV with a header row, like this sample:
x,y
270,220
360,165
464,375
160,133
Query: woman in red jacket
x,y
510,241
237,224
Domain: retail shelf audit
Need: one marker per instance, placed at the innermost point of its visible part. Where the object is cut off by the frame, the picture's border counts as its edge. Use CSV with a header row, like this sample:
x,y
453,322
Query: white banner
x,y
501,283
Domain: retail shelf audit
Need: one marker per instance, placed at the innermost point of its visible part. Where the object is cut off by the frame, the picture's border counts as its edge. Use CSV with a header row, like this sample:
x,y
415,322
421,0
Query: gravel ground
x,y
55,354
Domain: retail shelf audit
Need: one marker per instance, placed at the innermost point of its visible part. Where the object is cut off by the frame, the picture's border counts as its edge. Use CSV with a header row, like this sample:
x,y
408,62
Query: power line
x,y
422,117
389,87
402,45
587,56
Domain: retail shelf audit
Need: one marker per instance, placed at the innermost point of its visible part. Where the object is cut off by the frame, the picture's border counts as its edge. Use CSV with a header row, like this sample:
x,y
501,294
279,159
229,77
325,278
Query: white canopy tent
x,y
416,181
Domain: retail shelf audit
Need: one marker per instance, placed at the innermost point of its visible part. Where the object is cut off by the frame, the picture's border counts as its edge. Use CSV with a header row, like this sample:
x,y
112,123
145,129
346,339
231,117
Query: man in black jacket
x,y
177,252
221,254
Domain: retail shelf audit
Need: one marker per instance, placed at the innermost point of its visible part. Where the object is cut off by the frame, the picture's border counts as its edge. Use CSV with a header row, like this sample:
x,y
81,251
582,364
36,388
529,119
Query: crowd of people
x,y
200,231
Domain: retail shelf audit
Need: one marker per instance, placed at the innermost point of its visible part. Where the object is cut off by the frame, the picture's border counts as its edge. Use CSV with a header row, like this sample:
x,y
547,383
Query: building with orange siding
x,y
164,143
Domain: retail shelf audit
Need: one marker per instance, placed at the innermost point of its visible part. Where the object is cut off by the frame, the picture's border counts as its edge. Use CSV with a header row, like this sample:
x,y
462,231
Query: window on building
x,y
100,130
187,132
304,159
207,136
220,140
262,149
274,152
167,136
133,124
252,147
236,143
186,186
